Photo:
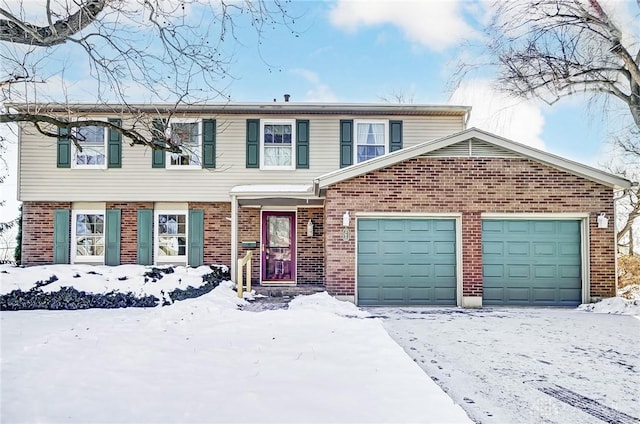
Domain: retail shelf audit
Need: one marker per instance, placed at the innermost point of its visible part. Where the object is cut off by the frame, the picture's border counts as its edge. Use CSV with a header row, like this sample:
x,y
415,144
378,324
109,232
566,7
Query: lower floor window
x,y
89,235
172,234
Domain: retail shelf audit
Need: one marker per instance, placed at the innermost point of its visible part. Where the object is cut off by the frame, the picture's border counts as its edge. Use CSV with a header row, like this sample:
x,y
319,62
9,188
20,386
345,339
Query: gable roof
x,y
522,150
255,108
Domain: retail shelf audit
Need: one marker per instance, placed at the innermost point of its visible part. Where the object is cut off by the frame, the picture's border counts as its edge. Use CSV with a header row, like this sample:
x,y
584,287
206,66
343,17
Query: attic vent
x,y
456,150
482,149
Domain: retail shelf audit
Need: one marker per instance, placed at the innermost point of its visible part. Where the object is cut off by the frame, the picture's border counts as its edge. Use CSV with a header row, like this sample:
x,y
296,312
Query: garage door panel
x,y
568,249
539,263
517,294
517,248
444,247
493,248
489,271
392,294
414,262
544,249
519,271
569,271
444,271
520,227
418,247
447,225
544,271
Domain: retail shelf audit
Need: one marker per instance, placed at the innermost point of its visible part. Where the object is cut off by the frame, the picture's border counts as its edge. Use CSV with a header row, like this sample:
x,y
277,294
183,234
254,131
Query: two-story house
x,y
381,204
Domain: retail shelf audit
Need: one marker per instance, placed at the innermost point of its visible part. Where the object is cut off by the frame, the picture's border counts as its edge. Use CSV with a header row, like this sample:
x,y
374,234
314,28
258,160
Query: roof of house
x,y
265,108
522,150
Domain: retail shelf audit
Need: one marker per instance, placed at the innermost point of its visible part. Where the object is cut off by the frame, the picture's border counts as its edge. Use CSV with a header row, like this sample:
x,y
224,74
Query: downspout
x,y
234,236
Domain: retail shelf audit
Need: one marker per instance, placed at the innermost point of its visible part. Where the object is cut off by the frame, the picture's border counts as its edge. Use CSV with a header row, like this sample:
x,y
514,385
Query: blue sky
x,y
362,51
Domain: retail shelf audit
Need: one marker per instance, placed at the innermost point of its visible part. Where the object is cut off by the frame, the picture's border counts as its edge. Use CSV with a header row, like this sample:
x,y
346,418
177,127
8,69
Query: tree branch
x,y
15,30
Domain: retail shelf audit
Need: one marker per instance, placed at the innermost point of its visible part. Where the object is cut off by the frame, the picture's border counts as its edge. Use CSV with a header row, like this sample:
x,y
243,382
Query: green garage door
x,y
531,262
406,262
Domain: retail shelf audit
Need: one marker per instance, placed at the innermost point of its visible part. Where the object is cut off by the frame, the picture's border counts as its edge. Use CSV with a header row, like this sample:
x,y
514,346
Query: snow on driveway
x,y
526,365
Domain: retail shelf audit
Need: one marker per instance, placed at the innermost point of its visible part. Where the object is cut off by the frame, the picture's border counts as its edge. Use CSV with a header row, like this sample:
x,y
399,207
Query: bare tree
x,y
550,49
167,51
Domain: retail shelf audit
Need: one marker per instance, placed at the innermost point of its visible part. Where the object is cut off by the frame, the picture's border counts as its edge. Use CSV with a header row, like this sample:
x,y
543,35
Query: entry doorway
x,y
278,247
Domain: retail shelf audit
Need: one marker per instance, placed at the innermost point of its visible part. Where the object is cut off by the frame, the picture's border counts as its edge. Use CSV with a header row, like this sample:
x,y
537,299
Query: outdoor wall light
x,y
310,228
346,219
603,221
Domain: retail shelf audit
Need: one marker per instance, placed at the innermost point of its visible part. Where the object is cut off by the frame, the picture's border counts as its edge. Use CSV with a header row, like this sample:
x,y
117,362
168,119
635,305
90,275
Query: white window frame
x,y
355,136
75,151
169,155
74,236
291,122
166,259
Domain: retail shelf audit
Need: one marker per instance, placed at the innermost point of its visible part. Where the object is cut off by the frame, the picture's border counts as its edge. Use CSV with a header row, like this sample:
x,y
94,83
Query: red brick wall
x,y
249,230
37,231
217,232
470,186
310,249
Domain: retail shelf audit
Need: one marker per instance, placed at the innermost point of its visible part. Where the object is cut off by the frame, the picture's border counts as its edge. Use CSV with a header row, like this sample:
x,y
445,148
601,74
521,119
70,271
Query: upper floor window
x,y
186,134
92,142
88,236
278,144
371,139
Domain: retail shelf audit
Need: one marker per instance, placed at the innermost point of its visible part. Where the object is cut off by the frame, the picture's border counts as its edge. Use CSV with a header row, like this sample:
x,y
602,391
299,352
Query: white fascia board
x,y
273,190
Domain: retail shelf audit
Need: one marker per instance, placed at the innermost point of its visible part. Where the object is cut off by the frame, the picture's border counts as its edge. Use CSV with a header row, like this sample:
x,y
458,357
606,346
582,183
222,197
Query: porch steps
x,y
288,291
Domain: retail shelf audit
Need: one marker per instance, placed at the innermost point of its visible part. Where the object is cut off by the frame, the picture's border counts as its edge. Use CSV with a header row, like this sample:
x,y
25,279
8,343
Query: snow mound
x,y
324,302
631,292
613,305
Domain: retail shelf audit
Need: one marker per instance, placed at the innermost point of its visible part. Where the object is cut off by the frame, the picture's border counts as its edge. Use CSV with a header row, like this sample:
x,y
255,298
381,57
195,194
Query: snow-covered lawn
x,y
515,365
320,360
204,360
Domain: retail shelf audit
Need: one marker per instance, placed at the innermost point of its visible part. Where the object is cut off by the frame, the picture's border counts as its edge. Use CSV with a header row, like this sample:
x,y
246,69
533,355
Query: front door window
x,y
278,261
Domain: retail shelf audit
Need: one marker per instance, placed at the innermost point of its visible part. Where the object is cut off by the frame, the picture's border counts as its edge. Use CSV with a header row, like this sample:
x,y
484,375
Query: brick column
x,y
471,255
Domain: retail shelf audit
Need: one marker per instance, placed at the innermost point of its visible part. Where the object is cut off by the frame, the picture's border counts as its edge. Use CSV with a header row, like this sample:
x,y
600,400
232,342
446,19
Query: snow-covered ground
x,y
528,365
204,360
213,359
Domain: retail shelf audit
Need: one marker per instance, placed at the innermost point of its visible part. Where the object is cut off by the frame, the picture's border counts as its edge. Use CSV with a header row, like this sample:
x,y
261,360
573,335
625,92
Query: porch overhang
x,y
276,195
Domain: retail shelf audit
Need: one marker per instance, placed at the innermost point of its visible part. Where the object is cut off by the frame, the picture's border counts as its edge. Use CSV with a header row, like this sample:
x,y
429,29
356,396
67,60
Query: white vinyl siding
x,y
137,181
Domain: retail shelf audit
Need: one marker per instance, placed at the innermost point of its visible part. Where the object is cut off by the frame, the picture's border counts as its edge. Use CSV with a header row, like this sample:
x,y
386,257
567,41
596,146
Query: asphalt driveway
x,y
526,365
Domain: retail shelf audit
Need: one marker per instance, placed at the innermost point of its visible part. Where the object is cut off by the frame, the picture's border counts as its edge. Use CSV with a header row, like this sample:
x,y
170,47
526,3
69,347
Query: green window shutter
x,y
64,148
114,146
302,144
209,143
346,142
196,237
253,143
158,156
145,236
395,135
112,237
61,236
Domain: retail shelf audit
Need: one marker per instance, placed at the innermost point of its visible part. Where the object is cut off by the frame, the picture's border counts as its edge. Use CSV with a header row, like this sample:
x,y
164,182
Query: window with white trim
x,y
171,236
88,236
277,143
186,134
92,147
370,139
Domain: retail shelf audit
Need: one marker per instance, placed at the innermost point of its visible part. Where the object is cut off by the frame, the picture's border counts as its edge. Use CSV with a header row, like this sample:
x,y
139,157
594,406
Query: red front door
x,y
278,247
